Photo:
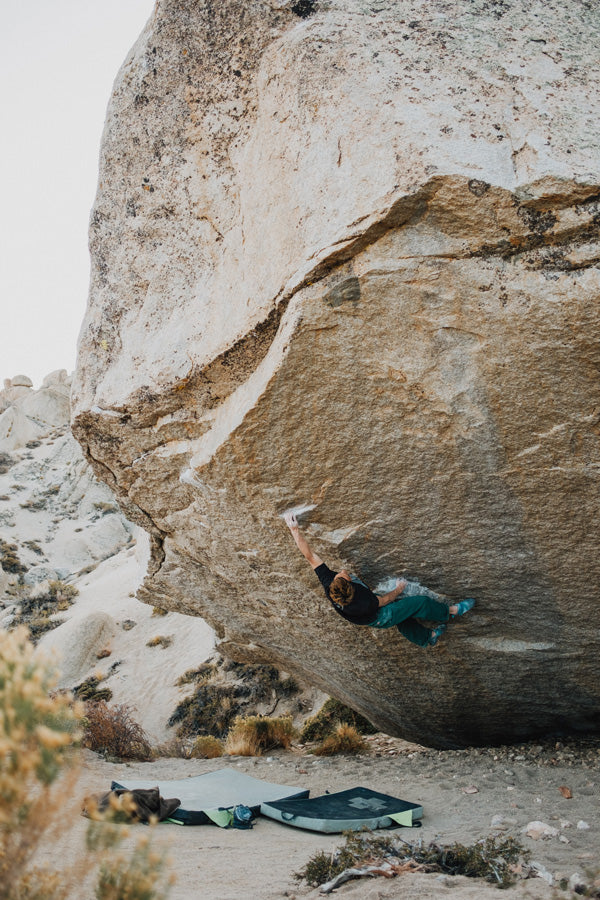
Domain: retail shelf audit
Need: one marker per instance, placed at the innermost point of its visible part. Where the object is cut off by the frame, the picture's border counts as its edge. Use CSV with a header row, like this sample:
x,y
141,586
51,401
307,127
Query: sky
x,y
58,61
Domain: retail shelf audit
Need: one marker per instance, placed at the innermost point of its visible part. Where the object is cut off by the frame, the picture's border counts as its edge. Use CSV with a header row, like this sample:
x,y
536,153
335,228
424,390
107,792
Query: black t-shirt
x,y
364,606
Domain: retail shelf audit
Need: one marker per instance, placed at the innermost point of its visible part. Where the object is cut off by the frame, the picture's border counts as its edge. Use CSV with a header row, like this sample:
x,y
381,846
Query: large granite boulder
x,y
345,255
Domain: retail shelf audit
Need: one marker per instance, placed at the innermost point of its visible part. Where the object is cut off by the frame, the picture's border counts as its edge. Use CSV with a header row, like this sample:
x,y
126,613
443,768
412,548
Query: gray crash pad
x,y
202,795
343,811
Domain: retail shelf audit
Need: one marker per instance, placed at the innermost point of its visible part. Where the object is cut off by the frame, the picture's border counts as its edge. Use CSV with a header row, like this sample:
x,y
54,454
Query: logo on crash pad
x,y
362,803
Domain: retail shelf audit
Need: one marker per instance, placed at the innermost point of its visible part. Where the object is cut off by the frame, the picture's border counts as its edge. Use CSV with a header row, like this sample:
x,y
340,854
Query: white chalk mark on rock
x,y
505,645
298,510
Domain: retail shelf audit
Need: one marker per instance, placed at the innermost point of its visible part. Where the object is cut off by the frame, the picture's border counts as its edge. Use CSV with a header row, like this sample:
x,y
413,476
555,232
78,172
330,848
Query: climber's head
x,y
341,589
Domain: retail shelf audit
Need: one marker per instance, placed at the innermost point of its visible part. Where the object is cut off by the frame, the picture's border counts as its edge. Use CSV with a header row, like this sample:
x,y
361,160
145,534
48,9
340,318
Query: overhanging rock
x,y
350,260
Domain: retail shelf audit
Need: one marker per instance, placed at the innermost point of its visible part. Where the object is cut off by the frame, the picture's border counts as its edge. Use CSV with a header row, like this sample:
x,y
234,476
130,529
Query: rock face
x,y
345,255
58,522
61,519
26,415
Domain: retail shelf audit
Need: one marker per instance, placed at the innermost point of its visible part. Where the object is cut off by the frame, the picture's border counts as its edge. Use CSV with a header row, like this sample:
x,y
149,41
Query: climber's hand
x,y
291,521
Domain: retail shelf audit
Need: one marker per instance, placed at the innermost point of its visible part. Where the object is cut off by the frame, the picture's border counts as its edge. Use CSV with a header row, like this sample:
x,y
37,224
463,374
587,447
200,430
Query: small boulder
x,y
577,883
58,377
41,574
537,830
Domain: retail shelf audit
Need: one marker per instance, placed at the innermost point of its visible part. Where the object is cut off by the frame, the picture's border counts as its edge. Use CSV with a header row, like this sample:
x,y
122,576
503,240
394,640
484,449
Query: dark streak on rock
x,y
478,188
536,220
347,291
304,8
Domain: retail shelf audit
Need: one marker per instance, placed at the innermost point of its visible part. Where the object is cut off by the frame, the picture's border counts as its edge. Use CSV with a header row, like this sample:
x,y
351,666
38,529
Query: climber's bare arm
x,y
301,542
392,595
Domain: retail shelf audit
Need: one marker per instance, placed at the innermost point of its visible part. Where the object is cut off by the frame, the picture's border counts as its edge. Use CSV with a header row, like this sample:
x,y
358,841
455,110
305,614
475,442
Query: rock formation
x,y
58,523
345,255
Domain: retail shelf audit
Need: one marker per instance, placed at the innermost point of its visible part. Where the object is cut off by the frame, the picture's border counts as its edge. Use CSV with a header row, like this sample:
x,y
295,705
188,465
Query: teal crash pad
x,y
203,795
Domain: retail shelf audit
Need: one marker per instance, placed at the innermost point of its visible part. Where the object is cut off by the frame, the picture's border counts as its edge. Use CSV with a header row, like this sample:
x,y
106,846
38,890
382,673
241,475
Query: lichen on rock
x,y
350,260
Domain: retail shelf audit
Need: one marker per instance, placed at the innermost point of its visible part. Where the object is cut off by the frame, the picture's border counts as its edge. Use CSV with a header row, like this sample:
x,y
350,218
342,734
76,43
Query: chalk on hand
x,y
188,476
298,510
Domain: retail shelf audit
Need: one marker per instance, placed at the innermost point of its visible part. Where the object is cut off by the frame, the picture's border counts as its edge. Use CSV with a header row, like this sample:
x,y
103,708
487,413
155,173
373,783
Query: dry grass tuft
x,y
345,739
37,612
331,714
9,560
207,747
90,692
255,735
6,463
112,730
161,640
158,611
173,748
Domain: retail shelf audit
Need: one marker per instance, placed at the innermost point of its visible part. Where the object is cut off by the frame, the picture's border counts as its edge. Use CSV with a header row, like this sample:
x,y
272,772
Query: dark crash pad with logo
x,y
348,810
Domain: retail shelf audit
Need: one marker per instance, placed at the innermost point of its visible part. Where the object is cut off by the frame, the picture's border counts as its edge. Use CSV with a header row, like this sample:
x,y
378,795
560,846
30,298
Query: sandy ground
x,y
519,784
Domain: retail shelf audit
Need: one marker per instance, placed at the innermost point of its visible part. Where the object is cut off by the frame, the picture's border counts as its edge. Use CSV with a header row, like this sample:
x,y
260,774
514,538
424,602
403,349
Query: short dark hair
x,y
341,590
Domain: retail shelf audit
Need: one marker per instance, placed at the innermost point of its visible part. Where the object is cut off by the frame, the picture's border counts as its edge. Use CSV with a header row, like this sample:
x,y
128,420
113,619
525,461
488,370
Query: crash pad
x,y
202,795
348,810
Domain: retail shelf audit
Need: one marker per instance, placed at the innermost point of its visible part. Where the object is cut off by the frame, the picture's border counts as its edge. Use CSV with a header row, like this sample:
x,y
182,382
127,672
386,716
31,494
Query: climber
x,y
355,602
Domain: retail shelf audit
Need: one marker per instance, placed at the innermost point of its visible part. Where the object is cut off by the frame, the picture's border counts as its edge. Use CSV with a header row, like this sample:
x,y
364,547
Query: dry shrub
x,y
498,860
89,691
38,732
113,730
36,612
345,739
206,747
9,560
143,875
331,714
226,690
172,748
253,735
212,708
6,463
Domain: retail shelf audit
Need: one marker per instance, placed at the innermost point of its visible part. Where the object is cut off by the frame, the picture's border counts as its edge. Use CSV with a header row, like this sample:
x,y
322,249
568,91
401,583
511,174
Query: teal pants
x,y
404,612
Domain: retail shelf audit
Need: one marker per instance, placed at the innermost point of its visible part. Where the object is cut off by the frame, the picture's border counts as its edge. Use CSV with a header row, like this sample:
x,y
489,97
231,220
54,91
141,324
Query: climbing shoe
x,y
464,606
436,635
